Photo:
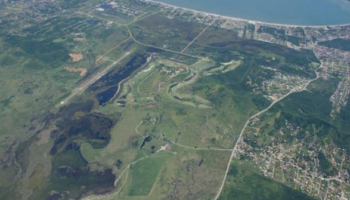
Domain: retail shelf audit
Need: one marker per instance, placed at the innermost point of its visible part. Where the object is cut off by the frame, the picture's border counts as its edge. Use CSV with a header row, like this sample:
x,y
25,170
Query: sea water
x,y
295,12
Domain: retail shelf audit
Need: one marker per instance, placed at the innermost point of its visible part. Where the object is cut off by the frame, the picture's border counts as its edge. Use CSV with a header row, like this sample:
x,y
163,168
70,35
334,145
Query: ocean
x,y
295,12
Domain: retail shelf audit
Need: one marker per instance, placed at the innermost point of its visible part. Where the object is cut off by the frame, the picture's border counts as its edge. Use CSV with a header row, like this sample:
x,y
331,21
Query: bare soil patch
x,y
80,69
76,57
79,39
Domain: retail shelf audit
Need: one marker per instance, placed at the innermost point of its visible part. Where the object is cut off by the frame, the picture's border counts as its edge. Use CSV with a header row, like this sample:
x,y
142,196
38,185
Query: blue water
x,y
296,12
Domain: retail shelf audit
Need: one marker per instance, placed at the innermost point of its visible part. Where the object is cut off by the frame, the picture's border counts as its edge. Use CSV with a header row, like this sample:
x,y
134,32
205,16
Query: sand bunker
x,y
80,69
76,57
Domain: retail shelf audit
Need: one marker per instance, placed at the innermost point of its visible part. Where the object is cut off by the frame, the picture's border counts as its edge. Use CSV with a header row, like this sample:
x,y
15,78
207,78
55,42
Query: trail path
x,y
196,37
201,149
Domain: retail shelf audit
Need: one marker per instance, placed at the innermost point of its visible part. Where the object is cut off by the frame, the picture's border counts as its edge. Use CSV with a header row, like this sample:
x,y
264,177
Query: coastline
x,y
242,20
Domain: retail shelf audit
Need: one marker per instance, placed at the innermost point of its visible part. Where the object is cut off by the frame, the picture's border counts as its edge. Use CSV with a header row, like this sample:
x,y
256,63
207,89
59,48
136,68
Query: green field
x,y
144,175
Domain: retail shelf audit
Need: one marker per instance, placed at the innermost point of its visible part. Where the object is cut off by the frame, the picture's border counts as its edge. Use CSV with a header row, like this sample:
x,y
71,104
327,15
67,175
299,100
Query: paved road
x,y
93,79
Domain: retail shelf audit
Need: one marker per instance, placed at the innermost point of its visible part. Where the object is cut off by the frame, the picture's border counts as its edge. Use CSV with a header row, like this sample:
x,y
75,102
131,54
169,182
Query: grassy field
x,y
144,175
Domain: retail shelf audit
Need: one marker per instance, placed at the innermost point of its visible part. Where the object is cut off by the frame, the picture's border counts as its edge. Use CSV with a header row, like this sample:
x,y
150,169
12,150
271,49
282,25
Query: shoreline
x,y
240,19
